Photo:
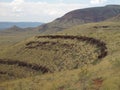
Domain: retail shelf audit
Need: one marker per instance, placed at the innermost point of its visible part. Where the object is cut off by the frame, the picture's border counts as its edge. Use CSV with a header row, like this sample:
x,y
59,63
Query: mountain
x,y
14,28
5,25
116,18
81,16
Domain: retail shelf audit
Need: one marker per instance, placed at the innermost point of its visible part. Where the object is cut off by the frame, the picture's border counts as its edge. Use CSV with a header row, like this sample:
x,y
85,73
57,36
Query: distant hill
x,y
14,28
5,25
81,16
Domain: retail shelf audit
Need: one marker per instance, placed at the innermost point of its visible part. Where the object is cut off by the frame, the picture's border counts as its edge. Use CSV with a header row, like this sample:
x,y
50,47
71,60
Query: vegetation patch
x,y
54,53
17,69
98,43
24,64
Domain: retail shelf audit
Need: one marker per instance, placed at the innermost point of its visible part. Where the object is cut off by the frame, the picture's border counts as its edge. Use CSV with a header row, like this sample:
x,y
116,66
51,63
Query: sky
x,y
44,10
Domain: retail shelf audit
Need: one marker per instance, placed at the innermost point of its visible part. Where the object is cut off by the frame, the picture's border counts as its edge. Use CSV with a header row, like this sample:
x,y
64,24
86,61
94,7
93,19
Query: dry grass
x,y
101,76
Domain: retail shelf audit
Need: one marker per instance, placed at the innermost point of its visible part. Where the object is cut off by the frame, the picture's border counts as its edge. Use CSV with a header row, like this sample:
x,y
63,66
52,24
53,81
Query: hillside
x,y
60,53
71,54
80,16
115,19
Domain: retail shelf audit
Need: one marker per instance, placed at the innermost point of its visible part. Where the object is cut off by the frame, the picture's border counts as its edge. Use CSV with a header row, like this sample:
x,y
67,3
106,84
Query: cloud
x,y
17,5
21,10
97,1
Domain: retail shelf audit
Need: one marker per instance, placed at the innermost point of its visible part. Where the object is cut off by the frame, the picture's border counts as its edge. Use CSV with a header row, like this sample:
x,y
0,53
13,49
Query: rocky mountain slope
x,y
81,16
116,18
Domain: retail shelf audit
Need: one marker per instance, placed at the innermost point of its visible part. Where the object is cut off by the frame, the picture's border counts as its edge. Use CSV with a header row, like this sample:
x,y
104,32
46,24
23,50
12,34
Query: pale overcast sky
x,y
44,10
